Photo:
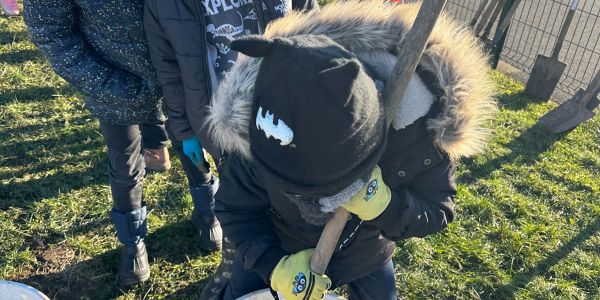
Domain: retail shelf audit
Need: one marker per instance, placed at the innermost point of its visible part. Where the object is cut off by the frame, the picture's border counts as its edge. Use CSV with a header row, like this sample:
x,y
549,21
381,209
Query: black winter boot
x,y
209,230
203,216
134,266
131,230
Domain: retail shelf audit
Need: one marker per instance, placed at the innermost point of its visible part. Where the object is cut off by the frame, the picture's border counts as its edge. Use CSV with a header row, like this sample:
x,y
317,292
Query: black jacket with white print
x,y
439,121
177,36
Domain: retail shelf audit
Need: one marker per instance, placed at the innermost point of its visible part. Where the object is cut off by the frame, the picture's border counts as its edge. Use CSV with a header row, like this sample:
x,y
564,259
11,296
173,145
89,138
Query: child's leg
x,y
379,285
202,185
126,175
242,282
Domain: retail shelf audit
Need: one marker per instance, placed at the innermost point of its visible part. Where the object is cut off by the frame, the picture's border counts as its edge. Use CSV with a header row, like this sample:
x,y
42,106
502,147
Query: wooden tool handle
x,y
486,16
409,54
592,91
477,14
594,87
507,19
513,9
328,240
490,24
565,29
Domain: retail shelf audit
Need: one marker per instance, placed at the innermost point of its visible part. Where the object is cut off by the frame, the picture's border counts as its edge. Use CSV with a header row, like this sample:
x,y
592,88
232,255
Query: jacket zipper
x,y
208,80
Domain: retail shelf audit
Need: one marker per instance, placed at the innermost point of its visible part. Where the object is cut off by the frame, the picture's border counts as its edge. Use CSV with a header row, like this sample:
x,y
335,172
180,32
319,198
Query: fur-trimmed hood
x,y
373,31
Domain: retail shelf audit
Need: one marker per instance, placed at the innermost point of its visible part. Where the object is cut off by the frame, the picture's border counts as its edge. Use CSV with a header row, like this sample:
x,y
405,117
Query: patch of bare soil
x,y
61,274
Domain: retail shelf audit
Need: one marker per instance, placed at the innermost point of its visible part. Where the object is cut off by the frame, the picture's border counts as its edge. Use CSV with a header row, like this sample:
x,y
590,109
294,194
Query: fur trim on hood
x,y
453,54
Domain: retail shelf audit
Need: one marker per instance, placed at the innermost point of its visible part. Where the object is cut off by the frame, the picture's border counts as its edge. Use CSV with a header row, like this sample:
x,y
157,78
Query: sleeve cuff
x,y
185,135
394,213
268,261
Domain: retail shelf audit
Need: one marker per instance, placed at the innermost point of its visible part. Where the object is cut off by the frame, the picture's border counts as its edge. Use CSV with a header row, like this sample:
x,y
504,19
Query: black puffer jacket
x,y
176,30
100,48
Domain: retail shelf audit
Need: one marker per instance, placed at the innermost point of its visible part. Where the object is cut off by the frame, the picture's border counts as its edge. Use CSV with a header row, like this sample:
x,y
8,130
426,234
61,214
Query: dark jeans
x,y
379,285
126,167
196,176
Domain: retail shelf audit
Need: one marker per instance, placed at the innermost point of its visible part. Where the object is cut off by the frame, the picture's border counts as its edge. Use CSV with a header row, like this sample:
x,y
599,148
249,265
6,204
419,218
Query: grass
x,y
527,226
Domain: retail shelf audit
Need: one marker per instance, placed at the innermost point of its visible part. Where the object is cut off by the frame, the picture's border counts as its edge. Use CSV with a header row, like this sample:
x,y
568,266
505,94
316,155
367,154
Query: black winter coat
x,y
266,225
440,119
177,35
100,48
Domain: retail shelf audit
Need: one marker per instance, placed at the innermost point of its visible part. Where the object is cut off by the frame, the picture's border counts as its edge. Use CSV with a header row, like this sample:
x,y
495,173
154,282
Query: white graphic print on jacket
x,y
226,30
279,131
227,20
282,7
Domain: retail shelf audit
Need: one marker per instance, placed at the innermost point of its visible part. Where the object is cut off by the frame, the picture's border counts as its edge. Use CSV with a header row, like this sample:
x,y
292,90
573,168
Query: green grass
x,y
527,226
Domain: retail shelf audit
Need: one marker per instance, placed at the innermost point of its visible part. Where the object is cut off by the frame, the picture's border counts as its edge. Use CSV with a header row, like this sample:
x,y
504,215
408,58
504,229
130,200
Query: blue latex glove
x,y
193,150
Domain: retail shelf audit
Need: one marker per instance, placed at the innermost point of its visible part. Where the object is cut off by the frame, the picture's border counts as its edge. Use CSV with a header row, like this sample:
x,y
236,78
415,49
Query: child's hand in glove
x,y
193,149
372,199
293,279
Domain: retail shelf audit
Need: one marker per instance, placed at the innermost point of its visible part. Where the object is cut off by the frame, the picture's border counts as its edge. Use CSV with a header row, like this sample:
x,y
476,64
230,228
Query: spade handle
x,y
507,19
328,240
565,29
486,16
594,87
409,54
590,93
503,26
478,13
490,24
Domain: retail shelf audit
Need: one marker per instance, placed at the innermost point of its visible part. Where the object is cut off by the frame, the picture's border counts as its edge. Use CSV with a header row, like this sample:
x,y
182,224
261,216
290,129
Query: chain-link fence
x,y
534,30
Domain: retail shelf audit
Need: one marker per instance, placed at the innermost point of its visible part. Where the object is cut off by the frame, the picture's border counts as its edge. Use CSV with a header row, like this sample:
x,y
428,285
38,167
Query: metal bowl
x,y
266,295
11,290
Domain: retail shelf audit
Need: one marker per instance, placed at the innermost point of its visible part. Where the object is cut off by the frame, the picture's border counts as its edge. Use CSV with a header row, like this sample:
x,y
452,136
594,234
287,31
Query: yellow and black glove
x,y
293,279
372,199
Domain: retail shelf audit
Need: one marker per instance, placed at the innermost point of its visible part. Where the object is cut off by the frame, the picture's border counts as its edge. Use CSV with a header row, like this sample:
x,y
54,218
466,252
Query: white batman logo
x,y
281,131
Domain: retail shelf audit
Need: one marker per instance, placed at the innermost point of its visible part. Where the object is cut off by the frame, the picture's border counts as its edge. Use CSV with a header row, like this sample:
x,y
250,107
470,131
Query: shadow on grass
x,y
524,150
8,37
520,281
53,177
96,278
518,101
191,291
591,164
23,194
176,243
20,56
62,159
6,133
27,95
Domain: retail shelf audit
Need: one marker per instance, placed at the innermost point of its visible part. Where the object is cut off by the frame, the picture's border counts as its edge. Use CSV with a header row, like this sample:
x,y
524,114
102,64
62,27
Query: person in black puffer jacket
x,y
100,48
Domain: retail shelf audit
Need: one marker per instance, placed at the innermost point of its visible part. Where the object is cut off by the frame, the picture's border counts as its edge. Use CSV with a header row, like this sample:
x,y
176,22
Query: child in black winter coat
x,y
302,120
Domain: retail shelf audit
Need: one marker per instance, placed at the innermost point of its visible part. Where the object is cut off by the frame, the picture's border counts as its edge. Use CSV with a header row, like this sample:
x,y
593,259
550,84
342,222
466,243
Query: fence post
x,y
497,49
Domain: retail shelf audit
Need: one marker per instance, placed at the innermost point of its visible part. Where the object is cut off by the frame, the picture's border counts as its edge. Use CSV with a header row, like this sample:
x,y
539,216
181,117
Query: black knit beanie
x,y
317,121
